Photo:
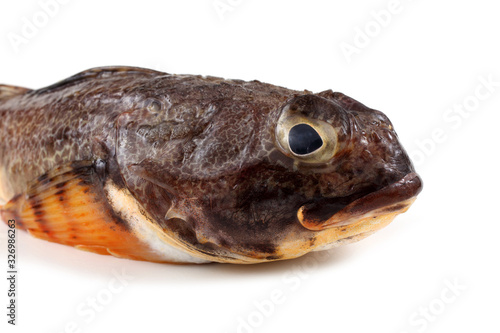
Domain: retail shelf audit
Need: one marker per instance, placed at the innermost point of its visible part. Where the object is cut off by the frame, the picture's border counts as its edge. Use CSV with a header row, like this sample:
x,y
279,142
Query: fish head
x,y
351,154
244,180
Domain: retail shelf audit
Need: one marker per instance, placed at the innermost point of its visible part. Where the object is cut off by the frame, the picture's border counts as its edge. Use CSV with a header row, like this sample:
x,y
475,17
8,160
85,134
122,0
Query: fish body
x,y
151,166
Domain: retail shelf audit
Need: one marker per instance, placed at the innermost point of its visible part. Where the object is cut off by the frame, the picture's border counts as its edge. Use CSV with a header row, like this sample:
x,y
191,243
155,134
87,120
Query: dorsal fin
x,y
9,91
96,73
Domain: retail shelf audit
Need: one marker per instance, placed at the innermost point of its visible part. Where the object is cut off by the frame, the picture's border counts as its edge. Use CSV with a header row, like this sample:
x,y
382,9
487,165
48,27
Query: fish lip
x,y
397,196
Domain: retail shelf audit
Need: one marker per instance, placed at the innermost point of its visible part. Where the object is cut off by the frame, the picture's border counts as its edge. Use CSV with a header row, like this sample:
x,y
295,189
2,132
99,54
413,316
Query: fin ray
x,y
98,72
67,205
7,91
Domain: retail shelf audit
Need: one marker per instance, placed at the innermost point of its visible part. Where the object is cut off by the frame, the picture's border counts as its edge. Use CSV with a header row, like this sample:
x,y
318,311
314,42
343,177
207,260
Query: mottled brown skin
x,y
201,155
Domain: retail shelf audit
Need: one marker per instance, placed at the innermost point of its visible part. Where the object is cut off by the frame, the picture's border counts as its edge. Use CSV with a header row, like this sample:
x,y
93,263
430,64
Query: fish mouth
x,y
396,197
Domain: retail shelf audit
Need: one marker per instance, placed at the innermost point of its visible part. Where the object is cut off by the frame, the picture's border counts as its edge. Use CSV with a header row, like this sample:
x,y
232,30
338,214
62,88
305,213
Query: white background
x,y
415,66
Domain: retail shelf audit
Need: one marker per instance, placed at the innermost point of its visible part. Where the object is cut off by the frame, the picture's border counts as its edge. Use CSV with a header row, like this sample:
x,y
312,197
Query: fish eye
x,y
303,139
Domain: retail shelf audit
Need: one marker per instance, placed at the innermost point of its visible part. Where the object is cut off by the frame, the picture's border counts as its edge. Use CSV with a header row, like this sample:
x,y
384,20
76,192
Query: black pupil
x,y
303,139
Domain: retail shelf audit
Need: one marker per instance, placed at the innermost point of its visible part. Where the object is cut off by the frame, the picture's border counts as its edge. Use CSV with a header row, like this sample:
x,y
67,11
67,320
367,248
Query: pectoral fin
x,y
68,205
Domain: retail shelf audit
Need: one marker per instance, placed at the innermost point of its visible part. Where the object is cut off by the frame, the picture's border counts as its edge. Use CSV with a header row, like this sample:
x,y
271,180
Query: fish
x,y
190,169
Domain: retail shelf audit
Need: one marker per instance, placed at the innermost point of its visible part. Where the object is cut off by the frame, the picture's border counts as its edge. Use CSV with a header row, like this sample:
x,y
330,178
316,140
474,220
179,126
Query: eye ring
x,y
319,143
